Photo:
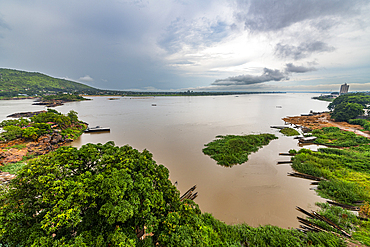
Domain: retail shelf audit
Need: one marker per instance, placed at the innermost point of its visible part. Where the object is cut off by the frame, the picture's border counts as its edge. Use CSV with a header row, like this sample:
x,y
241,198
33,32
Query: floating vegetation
x,y
289,132
230,150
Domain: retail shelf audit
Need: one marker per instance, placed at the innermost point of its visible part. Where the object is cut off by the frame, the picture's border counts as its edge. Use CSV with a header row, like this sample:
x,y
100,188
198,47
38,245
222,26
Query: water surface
x,y
257,192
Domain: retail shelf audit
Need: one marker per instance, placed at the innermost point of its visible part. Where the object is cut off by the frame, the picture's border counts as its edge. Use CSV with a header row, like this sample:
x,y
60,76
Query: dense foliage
x,y
289,132
358,98
16,82
347,174
363,122
231,149
100,195
333,136
347,171
63,97
44,123
346,111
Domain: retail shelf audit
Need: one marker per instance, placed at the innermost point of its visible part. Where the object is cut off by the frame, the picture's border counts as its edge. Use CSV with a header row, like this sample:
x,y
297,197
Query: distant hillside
x,y
14,82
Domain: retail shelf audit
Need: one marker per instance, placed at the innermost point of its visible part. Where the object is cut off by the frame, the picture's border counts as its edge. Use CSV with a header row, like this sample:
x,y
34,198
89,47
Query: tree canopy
x,y
92,196
359,98
69,125
346,111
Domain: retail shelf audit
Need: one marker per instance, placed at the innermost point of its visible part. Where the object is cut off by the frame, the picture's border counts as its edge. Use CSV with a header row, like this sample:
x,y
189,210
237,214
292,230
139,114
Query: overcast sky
x,y
163,45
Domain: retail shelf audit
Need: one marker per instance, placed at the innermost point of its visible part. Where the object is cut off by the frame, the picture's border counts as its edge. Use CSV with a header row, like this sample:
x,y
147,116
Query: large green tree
x,y
345,111
97,195
359,98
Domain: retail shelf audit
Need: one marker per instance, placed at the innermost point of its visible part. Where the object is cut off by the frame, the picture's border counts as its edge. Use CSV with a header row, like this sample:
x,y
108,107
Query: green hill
x,y
15,82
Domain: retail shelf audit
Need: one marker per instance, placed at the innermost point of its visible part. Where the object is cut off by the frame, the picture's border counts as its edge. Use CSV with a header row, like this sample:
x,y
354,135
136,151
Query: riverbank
x,y
23,139
324,120
343,171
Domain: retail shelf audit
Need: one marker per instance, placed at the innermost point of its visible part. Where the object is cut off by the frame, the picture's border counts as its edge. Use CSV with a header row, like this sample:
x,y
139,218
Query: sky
x,y
176,45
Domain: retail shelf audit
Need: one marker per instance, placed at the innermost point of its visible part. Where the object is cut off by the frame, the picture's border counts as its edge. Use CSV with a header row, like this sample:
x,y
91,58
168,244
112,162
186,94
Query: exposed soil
x,y
324,120
15,151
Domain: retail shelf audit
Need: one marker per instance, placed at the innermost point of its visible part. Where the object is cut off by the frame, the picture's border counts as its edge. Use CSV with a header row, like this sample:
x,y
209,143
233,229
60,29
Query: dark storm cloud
x,y
290,68
268,15
301,51
268,75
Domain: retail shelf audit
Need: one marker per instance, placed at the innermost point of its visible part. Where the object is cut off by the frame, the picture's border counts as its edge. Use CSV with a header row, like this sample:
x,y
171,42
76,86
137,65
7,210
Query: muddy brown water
x,y
175,129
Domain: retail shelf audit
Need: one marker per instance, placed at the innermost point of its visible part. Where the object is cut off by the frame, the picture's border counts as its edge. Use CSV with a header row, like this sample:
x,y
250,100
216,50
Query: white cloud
x,y
86,78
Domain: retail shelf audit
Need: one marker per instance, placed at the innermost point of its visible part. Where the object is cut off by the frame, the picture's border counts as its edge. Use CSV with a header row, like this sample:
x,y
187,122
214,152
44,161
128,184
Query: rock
x,y
25,114
14,155
56,138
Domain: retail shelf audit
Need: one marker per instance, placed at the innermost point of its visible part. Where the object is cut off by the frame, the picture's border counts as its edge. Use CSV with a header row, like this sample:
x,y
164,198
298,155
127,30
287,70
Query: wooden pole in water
x,y
186,194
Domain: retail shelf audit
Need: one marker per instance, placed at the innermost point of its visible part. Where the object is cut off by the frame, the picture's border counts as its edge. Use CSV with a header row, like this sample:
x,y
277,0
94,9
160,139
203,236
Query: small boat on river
x,y
96,129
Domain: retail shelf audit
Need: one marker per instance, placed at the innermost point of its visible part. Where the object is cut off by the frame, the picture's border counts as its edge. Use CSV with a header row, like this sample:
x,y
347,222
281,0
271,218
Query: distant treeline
x,y
185,93
22,84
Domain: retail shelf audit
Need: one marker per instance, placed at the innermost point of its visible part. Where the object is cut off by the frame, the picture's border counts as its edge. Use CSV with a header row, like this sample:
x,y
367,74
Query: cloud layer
x,y
301,51
180,45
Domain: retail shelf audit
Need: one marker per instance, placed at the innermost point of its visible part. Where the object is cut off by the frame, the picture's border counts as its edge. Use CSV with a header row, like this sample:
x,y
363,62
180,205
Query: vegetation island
x,y
231,149
105,195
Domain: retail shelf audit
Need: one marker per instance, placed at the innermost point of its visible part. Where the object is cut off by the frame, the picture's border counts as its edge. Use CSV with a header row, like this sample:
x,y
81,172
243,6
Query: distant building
x,y
344,88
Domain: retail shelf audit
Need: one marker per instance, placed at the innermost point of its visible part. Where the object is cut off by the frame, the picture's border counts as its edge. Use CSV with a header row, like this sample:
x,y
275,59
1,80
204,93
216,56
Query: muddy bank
x,y
52,103
25,114
319,121
20,149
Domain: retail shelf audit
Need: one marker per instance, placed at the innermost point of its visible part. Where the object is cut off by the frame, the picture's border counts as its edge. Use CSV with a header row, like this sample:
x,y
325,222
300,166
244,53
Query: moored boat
x,y
96,129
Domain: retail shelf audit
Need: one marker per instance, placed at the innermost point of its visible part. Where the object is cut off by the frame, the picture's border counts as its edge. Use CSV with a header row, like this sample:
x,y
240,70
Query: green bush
x,y
12,132
333,136
31,133
289,132
21,122
361,122
343,191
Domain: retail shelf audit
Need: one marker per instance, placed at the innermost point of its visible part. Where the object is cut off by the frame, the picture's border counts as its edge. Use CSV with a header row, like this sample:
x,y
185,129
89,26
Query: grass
x,y
244,235
348,179
289,132
13,168
348,172
231,149
17,146
333,136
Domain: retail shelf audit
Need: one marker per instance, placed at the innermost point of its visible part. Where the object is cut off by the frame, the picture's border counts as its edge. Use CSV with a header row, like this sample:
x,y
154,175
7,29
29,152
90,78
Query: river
x,y
175,129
